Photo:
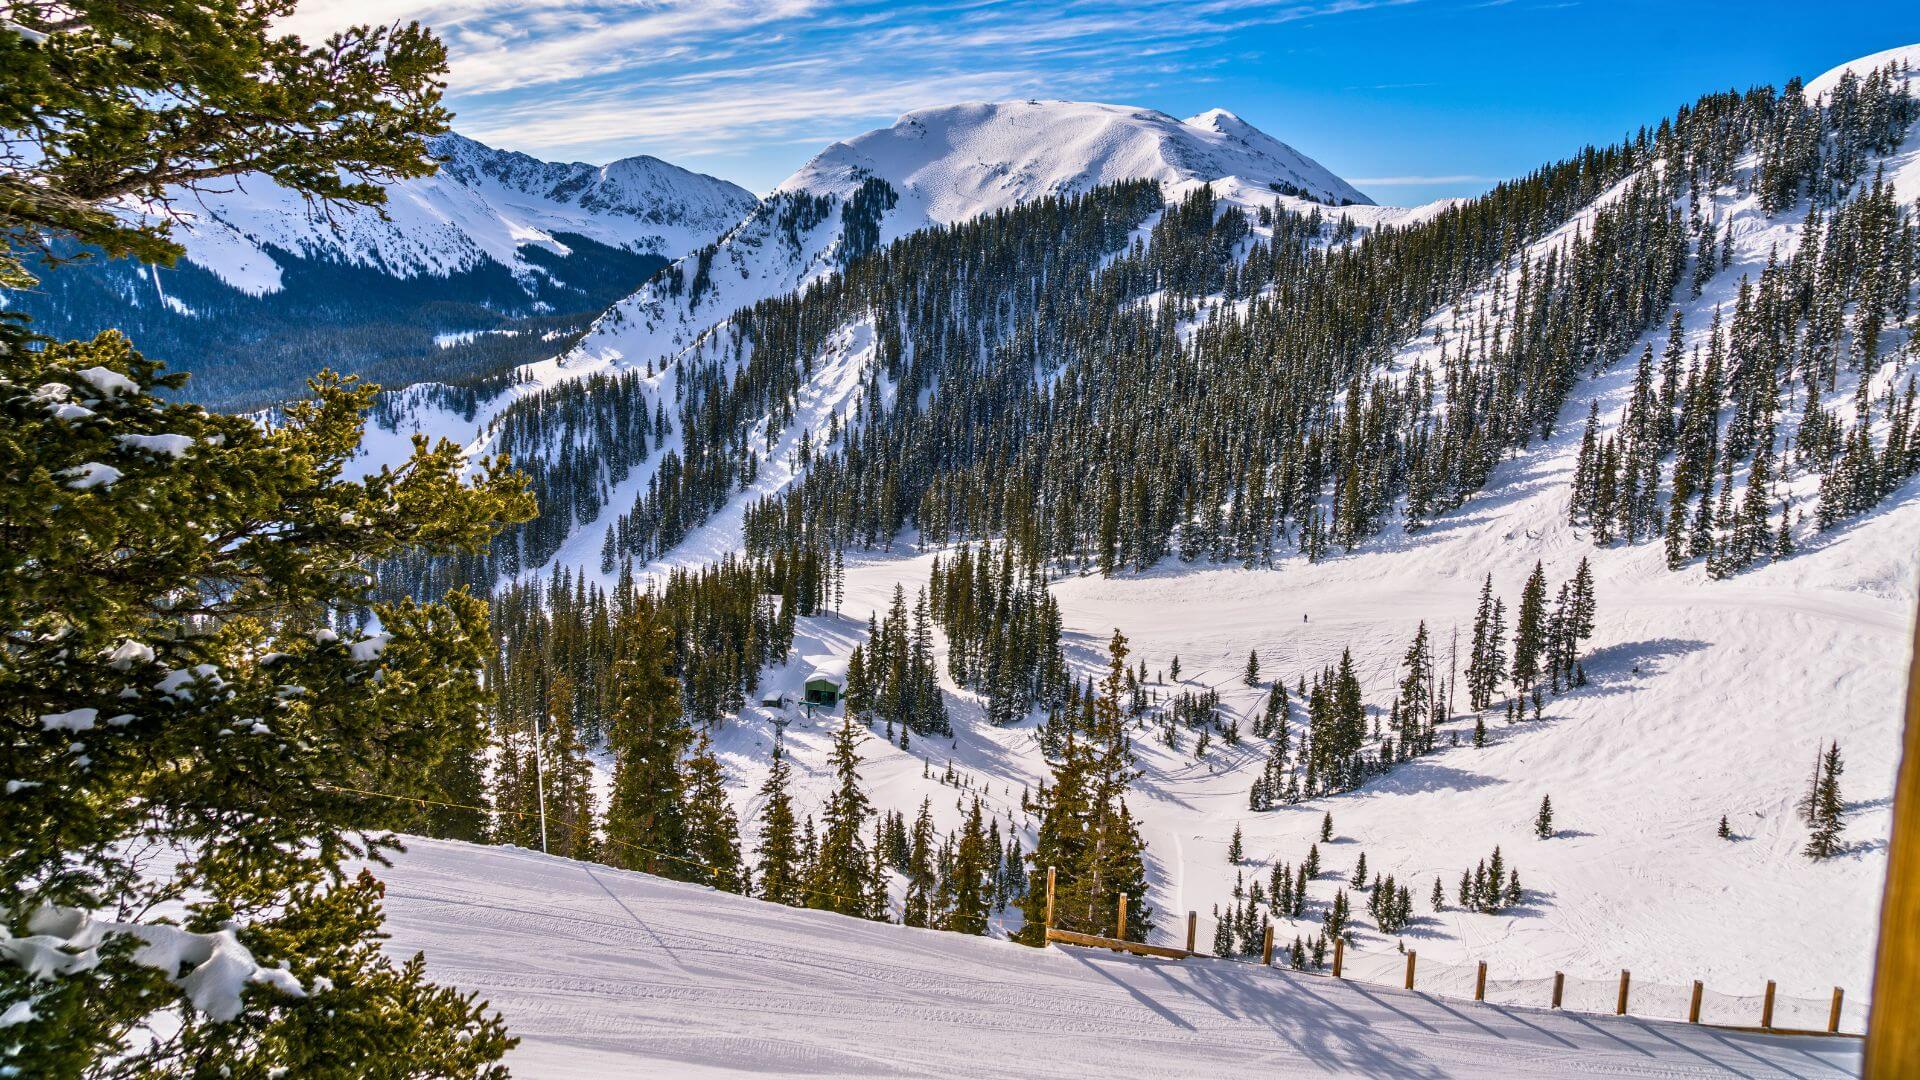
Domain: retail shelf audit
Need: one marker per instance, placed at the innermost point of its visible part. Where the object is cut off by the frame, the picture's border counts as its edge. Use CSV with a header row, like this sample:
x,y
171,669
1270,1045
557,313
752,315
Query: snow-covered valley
x,y
1707,697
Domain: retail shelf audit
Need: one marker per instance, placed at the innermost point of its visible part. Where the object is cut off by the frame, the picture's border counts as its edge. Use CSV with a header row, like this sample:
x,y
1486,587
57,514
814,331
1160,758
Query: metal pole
x,y
1049,923
540,782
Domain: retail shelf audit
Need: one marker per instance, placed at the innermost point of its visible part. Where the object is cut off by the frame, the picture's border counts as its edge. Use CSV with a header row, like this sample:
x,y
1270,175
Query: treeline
x,y
1113,431
646,675
1220,394
1003,630
725,622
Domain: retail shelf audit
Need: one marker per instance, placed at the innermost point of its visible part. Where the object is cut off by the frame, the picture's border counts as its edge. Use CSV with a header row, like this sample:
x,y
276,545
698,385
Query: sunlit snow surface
x,y
607,973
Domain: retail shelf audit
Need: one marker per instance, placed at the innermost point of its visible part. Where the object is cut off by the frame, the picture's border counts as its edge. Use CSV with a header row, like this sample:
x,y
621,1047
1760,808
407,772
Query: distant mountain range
x,y
497,259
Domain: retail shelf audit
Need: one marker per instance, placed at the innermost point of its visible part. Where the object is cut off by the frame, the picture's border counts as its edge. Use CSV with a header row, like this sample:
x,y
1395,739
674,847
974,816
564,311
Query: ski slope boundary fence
x,y
1767,1010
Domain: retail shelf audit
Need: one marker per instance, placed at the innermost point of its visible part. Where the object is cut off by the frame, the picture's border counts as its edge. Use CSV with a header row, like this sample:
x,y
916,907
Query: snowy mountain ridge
x,y
497,260
482,204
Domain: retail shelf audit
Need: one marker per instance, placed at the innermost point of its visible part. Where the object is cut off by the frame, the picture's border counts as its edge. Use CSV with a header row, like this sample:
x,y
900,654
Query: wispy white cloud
x,y
707,77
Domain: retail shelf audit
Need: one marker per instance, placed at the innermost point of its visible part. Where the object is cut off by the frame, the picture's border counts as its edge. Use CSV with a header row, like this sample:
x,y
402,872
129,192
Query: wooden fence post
x,y
1121,933
1693,1008
1833,1014
1480,983
1620,1007
1193,925
1893,1031
1339,954
1410,957
1559,985
1266,947
1049,923
1766,1007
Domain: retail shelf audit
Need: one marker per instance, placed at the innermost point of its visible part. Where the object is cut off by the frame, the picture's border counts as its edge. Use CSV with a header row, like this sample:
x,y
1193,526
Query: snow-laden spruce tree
x,y
184,736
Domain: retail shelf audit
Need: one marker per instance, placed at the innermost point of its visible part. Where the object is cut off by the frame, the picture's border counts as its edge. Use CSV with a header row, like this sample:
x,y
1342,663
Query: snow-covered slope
x,y
603,972
482,204
945,165
1708,697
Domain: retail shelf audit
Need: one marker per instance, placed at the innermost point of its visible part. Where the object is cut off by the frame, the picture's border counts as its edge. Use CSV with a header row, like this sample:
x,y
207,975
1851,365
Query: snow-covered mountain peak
x,y
954,162
942,166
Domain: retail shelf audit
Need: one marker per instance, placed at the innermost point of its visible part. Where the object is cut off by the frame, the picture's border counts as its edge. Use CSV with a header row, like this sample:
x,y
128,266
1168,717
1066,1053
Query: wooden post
x,y
1620,1007
1766,1007
1693,1008
1266,947
1833,1014
1893,1031
1480,983
1193,926
1339,954
1410,956
1049,923
1121,933
1559,985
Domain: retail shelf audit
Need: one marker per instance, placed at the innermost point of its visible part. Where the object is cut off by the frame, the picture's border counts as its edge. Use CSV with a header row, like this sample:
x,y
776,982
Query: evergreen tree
x,y
569,780
922,880
1829,812
713,829
781,858
1086,833
646,816
1529,635
1543,821
151,726
108,105
841,875
1252,675
1236,851
969,893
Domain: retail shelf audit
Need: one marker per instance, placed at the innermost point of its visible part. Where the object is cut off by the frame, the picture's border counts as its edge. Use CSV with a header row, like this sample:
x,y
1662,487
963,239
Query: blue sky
x,y
1409,99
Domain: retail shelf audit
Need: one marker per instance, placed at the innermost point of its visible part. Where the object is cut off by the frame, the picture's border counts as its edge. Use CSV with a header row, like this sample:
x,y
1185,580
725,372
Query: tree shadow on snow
x,y
1422,775
1619,669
